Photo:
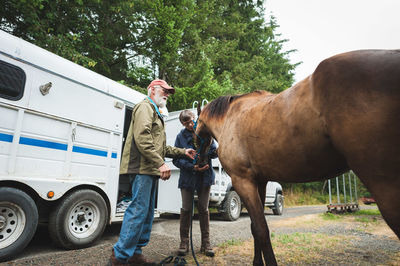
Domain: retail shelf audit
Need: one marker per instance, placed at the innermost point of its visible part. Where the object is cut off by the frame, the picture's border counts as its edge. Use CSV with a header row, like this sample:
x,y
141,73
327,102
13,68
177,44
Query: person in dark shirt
x,y
192,177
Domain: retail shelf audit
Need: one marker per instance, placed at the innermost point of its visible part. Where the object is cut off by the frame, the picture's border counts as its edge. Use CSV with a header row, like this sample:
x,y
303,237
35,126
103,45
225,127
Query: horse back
x,y
329,122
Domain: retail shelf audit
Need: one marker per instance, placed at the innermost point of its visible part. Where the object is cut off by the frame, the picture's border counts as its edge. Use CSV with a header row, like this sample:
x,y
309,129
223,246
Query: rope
x,y
191,238
179,260
201,142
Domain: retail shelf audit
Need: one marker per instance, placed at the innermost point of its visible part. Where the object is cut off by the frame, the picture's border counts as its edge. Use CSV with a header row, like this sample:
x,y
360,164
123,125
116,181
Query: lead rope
x,y
201,142
191,238
180,260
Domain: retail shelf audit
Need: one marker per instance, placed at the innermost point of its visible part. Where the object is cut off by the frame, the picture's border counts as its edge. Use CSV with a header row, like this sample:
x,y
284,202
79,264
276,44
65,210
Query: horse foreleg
x,y
257,259
250,194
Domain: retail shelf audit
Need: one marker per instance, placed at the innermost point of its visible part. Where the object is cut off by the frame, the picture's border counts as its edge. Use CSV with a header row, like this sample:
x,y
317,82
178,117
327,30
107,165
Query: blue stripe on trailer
x,y
55,145
6,137
43,143
89,151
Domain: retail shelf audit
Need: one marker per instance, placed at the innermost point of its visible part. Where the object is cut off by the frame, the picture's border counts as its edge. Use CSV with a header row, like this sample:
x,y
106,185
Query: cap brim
x,y
170,89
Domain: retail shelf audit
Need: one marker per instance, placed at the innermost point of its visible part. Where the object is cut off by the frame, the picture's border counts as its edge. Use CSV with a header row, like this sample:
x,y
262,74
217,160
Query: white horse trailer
x,y
62,129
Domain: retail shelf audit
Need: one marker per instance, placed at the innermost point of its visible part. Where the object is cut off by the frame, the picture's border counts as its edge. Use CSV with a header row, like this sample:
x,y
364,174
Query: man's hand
x,y
165,172
190,153
201,169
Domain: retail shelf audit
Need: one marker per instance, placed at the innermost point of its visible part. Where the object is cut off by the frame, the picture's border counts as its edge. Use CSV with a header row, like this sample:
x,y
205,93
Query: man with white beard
x,y
143,161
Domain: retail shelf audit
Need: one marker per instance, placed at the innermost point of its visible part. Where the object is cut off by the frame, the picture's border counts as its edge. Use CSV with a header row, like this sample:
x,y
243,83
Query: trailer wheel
x,y
18,221
232,206
278,205
78,220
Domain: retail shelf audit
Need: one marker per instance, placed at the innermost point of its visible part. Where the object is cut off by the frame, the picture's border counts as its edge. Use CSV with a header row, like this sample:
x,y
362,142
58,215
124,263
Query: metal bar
x,y
344,189
337,190
351,195
330,192
355,189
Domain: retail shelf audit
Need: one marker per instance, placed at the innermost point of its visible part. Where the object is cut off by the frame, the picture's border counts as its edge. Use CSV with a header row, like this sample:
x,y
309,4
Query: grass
x,y
293,239
232,242
309,197
304,248
327,216
366,212
304,198
362,216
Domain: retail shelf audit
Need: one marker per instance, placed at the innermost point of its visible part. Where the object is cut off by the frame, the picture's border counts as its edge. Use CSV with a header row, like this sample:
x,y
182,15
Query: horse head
x,y
202,139
209,124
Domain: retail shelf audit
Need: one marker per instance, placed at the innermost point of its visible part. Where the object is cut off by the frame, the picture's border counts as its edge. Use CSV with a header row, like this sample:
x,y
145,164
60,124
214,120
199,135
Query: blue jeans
x,y
138,218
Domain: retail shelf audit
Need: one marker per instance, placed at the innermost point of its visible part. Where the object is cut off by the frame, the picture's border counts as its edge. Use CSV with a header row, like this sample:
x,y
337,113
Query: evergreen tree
x,y
208,48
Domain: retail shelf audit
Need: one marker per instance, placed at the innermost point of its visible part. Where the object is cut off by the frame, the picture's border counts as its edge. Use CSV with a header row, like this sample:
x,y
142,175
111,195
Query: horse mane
x,y
219,106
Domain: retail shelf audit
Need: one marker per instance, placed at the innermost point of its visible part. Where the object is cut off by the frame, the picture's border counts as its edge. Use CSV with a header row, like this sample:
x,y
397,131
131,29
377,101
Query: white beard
x,y
160,101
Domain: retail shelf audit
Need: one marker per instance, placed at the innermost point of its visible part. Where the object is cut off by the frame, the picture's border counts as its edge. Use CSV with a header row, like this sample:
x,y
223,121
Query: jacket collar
x,y
154,107
187,133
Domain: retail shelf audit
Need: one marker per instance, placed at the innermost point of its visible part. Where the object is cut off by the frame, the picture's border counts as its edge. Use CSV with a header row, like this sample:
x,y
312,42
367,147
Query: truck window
x,y
12,81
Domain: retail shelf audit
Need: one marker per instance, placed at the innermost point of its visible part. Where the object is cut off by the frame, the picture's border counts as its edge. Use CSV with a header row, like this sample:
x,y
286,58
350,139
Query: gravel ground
x,y
365,248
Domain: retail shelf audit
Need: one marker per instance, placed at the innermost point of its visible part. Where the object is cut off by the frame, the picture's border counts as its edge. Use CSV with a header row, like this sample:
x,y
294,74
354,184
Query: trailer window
x,y
12,81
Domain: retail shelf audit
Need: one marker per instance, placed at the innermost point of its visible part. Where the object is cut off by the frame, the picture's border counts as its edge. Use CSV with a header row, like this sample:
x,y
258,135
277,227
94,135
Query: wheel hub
x,y
234,206
81,219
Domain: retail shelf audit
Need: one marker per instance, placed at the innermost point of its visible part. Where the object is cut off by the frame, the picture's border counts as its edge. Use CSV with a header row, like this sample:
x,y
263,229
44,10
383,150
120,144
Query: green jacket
x,y
145,146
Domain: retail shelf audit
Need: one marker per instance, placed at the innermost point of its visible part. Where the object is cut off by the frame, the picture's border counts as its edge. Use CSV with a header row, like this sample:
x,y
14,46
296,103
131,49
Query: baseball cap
x,y
163,84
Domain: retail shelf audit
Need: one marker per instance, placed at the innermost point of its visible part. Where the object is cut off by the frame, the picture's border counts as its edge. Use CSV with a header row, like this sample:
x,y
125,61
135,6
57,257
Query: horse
x,y
344,116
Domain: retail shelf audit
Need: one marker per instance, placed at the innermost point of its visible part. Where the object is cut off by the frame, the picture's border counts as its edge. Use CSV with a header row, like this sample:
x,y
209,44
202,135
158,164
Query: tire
x,y
278,205
78,220
231,206
18,221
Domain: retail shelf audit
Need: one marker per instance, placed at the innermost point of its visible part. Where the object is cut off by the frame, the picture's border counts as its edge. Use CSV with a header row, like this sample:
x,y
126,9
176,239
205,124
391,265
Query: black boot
x,y
184,232
204,218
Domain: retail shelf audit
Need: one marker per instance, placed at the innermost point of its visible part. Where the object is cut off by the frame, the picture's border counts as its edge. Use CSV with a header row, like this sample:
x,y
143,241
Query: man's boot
x,y
184,232
204,218
114,261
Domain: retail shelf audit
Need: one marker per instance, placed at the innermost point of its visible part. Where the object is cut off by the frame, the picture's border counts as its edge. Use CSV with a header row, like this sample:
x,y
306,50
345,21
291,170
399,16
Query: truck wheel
x,y
278,205
232,206
78,220
18,221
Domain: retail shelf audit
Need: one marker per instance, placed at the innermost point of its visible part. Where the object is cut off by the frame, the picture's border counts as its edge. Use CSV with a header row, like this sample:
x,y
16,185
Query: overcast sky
x,y
319,29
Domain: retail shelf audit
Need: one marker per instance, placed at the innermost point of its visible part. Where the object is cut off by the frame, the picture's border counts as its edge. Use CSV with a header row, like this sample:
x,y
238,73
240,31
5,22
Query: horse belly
x,y
299,166
296,150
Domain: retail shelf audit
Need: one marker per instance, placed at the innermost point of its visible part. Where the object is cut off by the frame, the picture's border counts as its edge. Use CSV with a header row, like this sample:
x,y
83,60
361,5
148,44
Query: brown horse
x,y
346,115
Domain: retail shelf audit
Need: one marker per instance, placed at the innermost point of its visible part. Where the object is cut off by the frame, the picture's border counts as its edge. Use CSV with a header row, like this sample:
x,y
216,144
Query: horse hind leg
x,y
249,193
257,246
386,191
